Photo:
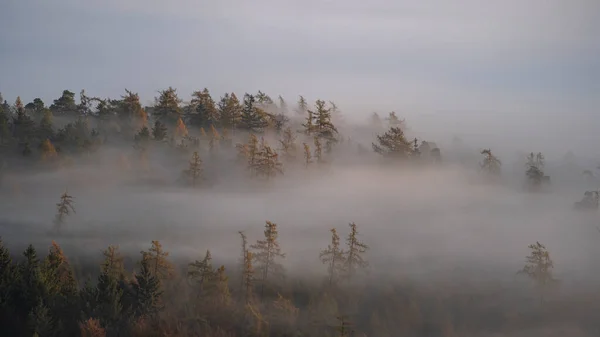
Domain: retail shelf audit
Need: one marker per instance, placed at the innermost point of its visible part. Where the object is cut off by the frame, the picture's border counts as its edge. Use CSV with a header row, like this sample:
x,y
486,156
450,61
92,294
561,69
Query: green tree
x,y
64,209
159,131
302,107
46,128
146,291
354,253
166,106
267,252
65,104
23,125
334,258
201,272
535,166
393,144
252,118
230,111
205,113
318,150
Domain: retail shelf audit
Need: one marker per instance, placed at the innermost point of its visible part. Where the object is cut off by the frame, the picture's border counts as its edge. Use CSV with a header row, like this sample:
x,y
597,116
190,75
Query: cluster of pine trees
x,y
42,296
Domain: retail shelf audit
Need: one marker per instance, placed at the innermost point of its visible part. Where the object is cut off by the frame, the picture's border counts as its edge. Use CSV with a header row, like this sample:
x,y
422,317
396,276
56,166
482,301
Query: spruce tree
x,y
334,257
159,131
146,291
267,164
230,111
252,117
64,209
267,252
46,129
166,107
354,252
205,113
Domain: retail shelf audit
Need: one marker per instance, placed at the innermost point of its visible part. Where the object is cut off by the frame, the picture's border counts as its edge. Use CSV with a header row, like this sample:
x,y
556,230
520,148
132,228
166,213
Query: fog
x,y
434,219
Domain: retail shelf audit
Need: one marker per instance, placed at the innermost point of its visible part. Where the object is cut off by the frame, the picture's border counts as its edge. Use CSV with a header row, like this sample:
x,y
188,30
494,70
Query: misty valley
x,y
262,217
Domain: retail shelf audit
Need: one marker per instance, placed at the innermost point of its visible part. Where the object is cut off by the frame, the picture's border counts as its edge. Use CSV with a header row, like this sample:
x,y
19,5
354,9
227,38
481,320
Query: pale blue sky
x,y
541,57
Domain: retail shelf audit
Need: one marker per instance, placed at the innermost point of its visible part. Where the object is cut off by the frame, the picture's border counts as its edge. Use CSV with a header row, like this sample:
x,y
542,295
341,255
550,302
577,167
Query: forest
x,y
255,216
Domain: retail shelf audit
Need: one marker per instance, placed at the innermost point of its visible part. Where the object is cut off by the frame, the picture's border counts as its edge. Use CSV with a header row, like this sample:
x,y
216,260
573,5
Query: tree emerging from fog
x,y
538,268
393,144
267,253
64,209
490,164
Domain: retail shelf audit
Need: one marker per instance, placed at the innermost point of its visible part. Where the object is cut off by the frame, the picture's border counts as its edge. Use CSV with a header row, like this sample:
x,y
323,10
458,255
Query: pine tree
x,y
64,208
205,113
252,117
491,164
159,131
46,129
146,291
334,257
131,110
393,144
23,125
322,124
230,111
195,170
307,155
113,265
309,127
267,253
353,254
40,321
157,261
535,173
539,268
166,106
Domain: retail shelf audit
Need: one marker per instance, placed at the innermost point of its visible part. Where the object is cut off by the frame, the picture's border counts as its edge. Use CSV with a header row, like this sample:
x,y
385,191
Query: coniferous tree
x,y
159,131
131,111
109,296
146,291
248,277
92,328
205,113
5,134
201,272
539,268
65,105
302,106
288,145
113,264
195,170
166,106
307,155
46,129
23,125
252,117
334,257
158,264
48,151
318,150
64,209
267,163
491,164
354,253
535,166
393,144
180,129
230,111
242,259
267,252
